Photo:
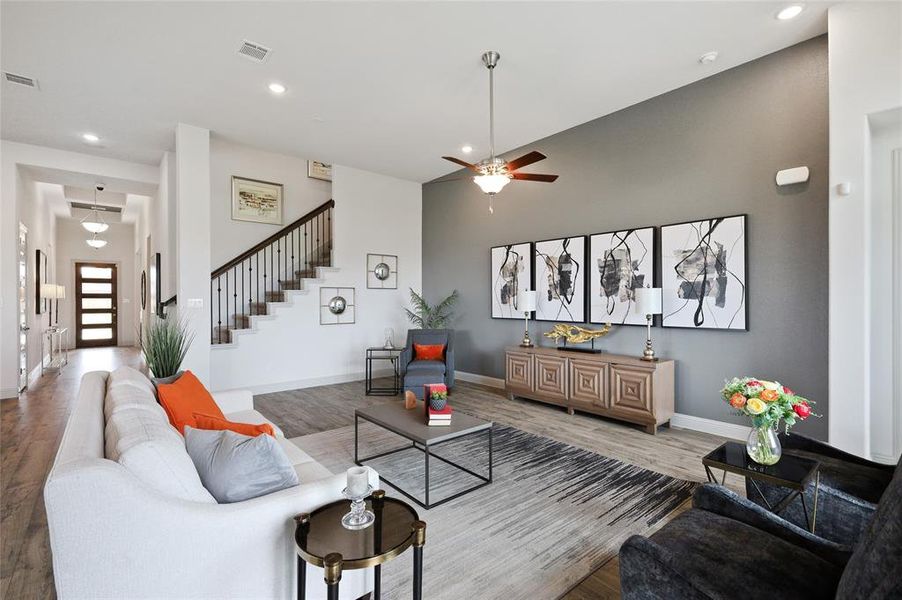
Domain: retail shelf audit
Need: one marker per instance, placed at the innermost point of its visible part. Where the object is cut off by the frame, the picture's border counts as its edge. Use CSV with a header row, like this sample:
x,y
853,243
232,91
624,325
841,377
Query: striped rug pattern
x,y
553,514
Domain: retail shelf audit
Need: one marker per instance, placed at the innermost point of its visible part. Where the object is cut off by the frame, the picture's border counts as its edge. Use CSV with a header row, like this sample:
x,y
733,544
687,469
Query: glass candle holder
x,y
359,517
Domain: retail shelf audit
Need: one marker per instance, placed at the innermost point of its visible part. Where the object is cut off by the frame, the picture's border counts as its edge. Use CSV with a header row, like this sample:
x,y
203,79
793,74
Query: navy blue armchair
x,y
416,373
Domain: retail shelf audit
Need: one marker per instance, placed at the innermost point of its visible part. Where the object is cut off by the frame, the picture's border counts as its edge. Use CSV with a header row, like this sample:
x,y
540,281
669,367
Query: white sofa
x,y
129,519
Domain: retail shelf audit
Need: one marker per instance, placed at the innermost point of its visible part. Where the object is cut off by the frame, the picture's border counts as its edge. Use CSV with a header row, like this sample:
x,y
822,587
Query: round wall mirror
x,y
337,305
382,271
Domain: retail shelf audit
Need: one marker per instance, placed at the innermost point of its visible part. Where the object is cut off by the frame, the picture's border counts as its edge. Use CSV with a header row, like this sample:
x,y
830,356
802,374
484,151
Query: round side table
x,y
321,540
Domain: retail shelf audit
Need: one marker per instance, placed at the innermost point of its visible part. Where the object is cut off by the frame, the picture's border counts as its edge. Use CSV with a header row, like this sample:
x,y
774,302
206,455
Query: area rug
x,y
553,514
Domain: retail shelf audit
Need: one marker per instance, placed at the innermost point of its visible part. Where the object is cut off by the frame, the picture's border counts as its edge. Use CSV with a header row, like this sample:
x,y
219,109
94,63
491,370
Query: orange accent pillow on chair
x,y
185,397
429,352
210,422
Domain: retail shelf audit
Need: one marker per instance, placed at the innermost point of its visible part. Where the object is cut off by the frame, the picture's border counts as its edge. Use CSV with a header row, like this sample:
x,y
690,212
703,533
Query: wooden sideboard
x,y
613,385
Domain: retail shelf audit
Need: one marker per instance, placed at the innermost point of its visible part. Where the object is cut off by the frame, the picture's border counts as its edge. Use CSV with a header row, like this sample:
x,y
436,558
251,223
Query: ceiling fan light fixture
x,y
491,184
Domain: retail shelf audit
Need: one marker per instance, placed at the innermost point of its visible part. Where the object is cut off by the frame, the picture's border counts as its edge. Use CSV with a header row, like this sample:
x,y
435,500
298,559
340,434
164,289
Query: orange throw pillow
x,y
428,352
185,397
209,422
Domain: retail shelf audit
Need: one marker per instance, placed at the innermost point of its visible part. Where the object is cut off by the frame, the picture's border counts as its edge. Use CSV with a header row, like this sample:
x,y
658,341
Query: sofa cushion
x,y
165,466
311,471
127,376
433,366
212,423
739,561
235,467
295,455
132,425
873,571
253,417
184,398
127,396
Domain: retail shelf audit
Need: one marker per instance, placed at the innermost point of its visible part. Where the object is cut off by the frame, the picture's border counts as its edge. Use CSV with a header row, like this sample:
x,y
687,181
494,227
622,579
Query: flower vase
x,y
763,445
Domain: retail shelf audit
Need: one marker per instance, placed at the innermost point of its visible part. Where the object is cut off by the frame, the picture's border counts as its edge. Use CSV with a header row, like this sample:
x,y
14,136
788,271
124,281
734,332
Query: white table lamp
x,y
60,295
527,304
649,301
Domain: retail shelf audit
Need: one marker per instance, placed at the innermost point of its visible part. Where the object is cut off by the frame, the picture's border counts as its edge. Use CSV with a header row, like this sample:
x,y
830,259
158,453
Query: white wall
x,y
71,248
865,56
373,214
12,156
300,194
192,148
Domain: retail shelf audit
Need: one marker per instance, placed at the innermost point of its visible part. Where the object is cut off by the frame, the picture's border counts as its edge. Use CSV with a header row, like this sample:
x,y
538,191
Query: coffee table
x,y
410,424
791,472
321,540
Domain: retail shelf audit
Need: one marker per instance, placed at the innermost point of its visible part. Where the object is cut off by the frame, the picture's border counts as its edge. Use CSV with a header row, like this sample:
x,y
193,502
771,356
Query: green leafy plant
x,y
165,344
425,316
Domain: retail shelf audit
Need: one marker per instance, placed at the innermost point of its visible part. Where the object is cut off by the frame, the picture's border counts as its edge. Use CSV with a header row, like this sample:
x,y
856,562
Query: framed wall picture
x,y
337,306
256,201
560,273
319,170
619,262
41,277
511,276
703,269
382,271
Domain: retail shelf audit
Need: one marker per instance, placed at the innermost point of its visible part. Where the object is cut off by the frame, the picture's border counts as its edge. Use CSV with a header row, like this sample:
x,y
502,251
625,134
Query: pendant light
x,y
95,243
93,222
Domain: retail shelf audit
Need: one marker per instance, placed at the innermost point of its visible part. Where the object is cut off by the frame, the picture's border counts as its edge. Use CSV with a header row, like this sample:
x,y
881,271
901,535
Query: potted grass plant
x,y
164,344
426,316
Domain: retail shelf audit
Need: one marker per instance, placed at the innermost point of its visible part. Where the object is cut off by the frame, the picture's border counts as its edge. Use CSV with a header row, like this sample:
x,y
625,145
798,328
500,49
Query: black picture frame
x,y
580,278
41,275
156,279
531,279
143,290
652,253
663,280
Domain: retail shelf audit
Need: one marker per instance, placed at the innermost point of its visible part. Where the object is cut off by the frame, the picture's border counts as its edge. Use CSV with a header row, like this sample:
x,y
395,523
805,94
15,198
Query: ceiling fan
x,y
494,172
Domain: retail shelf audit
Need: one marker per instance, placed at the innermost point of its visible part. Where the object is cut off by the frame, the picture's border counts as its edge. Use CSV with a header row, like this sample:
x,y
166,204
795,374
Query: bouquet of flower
x,y
766,402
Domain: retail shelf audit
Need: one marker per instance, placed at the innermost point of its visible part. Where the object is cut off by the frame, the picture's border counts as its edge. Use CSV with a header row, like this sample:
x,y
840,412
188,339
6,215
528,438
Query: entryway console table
x,y
612,385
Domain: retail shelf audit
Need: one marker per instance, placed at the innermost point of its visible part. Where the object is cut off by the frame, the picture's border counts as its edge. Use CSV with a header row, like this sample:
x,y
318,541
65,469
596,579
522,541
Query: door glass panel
x,y
97,272
96,334
97,319
96,288
97,303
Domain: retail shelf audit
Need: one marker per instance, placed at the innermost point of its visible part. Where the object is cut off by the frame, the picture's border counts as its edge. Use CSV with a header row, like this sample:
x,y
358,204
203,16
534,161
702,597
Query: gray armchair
x,y
728,547
416,373
850,488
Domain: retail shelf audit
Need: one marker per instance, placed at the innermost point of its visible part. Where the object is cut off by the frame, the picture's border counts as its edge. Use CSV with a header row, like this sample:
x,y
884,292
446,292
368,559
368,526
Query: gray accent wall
x,y
708,149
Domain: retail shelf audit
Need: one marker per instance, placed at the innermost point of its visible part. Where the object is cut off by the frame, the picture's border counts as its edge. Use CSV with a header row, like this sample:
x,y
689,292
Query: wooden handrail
x,y
293,225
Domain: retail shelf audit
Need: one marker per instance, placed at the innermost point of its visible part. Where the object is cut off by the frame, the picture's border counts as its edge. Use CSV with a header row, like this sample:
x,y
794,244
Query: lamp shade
x,y
48,291
491,184
648,301
527,301
60,292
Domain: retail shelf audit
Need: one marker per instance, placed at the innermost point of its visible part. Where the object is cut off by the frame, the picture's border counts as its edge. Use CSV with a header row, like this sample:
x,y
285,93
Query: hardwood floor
x,y
32,426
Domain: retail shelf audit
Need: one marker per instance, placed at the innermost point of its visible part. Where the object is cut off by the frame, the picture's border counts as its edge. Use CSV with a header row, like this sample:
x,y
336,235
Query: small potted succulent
x,y
164,344
438,396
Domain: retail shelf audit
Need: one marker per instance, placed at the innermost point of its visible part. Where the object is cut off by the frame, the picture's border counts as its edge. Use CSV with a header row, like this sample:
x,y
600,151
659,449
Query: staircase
x,y
247,285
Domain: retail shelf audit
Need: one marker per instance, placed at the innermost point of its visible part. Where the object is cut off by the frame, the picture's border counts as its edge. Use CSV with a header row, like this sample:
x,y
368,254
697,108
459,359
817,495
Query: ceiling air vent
x,y
100,207
254,51
21,80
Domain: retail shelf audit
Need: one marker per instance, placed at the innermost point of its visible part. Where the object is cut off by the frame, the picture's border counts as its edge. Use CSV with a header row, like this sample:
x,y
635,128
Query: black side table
x,y
792,472
390,354
321,540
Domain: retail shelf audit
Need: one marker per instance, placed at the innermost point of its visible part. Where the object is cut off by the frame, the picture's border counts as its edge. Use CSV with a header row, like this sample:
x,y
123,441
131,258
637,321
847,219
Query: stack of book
x,y
438,418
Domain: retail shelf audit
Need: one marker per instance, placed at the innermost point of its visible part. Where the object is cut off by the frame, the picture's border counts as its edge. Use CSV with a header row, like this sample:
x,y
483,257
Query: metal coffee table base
x,y
427,454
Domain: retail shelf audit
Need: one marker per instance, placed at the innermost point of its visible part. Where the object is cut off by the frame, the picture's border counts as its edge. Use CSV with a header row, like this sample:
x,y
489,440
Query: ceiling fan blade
x,y
526,159
534,177
462,163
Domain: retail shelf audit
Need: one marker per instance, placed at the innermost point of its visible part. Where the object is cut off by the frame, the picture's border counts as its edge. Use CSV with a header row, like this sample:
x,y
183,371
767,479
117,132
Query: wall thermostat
x,y
790,176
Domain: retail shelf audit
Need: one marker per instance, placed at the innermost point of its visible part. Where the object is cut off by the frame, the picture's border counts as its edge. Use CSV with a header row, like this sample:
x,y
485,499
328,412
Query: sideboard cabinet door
x,y
519,372
588,383
551,378
631,392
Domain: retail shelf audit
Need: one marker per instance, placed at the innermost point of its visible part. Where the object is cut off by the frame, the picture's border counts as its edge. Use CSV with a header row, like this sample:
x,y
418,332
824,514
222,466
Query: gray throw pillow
x,y
235,467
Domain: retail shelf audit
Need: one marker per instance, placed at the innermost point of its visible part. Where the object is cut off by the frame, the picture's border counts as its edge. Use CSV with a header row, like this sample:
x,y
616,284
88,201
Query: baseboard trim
x,y
299,384
728,430
480,379
885,459
6,393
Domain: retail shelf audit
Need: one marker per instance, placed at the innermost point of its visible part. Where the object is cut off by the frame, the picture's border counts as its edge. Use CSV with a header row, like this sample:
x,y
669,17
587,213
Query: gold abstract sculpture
x,y
575,334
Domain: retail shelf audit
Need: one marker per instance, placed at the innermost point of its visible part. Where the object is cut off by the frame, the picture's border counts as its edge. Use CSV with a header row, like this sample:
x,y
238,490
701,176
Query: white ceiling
x,y
388,87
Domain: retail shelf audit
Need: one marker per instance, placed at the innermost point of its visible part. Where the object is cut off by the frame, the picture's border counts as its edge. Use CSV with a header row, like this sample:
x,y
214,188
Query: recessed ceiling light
x,y
708,57
790,12
466,149
90,137
277,88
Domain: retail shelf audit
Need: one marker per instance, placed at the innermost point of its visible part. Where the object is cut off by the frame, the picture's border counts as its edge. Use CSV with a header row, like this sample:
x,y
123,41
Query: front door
x,y
23,301
95,305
